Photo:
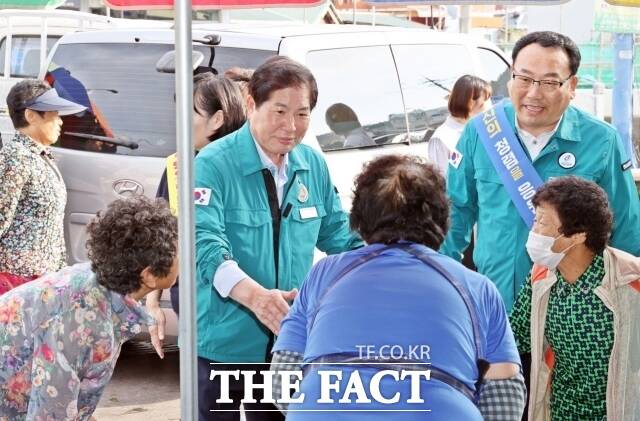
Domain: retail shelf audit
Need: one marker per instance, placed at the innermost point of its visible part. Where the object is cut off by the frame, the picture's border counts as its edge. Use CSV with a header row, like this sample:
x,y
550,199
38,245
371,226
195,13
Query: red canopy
x,y
209,4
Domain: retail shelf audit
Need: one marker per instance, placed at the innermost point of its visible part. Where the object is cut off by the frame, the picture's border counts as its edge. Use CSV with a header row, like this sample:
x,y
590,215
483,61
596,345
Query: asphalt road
x,y
143,387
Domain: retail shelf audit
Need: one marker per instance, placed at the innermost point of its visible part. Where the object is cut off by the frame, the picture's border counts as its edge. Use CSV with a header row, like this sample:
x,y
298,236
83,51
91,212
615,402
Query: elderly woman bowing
x,y
32,192
579,313
60,335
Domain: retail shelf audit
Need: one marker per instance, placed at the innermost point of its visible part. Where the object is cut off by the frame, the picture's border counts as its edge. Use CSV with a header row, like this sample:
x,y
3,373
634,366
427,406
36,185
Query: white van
x,y
395,82
27,37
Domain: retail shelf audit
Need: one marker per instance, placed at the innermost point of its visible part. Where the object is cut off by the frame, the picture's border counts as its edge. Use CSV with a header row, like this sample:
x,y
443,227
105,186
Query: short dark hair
x,y
238,74
213,93
280,72
582,206
550,39
21,93
130,235
241,77
400,197
466,89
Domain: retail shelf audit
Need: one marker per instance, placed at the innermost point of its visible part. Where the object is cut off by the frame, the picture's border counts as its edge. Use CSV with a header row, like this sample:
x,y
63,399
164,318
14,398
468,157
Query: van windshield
x,y
128,100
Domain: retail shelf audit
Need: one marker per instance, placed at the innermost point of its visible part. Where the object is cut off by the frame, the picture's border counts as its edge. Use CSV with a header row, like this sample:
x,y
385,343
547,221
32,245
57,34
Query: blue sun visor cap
x,y
50,101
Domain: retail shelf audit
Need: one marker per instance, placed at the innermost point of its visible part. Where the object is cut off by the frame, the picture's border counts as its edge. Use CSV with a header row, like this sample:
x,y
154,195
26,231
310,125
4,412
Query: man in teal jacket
x,y
263,204
560,140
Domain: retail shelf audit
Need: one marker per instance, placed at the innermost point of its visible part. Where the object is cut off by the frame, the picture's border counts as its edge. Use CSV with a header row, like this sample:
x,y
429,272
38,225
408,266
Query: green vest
x,y
581,146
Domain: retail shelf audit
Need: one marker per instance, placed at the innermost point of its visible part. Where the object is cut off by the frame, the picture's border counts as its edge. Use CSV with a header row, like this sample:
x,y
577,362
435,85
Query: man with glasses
x,y
556,139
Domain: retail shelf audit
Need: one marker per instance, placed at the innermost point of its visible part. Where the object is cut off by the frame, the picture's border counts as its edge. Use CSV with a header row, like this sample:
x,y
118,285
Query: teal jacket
x,y
236,223
478,196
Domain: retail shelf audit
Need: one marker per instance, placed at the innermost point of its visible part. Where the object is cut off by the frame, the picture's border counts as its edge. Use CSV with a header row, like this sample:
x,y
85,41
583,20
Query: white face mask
x,y
539,249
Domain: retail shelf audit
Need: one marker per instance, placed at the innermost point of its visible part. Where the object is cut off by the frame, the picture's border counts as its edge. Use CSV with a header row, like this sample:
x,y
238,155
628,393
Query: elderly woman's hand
x,y
156,332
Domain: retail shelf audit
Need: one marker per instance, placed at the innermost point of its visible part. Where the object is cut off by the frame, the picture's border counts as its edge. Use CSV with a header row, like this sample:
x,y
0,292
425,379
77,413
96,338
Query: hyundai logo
x,y
128,188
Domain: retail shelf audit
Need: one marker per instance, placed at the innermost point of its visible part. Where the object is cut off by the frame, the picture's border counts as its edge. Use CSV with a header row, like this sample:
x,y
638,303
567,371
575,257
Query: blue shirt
x,y
396,300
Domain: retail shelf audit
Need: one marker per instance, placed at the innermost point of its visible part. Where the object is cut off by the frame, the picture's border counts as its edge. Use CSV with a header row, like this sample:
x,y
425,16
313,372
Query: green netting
x,y
30,4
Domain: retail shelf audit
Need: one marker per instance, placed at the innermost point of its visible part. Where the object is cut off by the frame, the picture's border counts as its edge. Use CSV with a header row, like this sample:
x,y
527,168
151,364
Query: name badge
x,y
306,213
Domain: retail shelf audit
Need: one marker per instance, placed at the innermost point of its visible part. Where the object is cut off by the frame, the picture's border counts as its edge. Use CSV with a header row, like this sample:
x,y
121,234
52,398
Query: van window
x,y
130,102
497,71
426,81
360,102
25,54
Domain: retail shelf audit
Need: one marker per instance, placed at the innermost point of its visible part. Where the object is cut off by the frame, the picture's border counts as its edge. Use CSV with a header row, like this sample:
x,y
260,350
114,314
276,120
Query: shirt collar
x,y
453,123
591,278
542,137
249,158
268,163
568,127
32,145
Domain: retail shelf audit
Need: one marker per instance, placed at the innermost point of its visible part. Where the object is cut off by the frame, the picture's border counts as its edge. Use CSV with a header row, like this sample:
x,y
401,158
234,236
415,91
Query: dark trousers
x,y
209,391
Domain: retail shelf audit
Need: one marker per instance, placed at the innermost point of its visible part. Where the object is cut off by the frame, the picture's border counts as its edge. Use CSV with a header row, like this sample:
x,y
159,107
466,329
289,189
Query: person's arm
x,y
156,331
503,392
617,181
152,300
503,399
335,236
213,249
14,174
461,189
438,154
288,351
520,318
283,360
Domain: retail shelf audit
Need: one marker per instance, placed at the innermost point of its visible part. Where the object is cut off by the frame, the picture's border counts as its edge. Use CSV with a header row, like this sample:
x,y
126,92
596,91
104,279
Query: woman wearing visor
x,y
579,313
32,192
399,304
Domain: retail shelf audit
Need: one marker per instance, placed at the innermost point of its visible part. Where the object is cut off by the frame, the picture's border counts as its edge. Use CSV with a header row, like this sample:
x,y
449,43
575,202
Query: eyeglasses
x,y
525,82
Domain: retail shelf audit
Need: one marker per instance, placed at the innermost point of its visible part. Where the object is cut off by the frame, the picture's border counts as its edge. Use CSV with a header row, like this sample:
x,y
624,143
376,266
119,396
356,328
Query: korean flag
x,y
201,196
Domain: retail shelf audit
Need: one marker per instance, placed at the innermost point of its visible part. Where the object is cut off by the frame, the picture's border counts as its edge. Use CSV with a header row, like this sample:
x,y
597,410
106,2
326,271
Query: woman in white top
x,y
470,95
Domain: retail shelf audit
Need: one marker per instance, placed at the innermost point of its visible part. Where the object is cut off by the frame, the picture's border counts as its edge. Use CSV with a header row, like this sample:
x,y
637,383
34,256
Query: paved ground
x,y
143,388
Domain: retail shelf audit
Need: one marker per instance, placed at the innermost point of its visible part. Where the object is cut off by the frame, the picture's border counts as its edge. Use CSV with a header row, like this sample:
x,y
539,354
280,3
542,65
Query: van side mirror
x,y
167,63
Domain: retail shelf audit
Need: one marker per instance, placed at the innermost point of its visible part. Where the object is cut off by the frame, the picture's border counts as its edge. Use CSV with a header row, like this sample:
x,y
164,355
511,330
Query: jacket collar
x,y
249,158
567,130
627,266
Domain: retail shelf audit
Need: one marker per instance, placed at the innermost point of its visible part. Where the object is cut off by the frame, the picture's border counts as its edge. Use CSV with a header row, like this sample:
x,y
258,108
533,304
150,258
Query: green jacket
x,y
478,196
237,224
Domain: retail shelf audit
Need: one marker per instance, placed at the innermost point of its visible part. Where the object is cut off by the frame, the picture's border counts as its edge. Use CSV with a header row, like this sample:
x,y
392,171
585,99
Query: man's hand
x,y
269,305
156,332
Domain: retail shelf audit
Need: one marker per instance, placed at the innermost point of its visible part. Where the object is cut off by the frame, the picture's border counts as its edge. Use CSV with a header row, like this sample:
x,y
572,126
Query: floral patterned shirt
x,y
32,201
60,337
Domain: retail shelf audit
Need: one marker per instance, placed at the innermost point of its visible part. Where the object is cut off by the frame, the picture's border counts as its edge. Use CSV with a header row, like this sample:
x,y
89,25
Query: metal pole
x,y
506,24
621,110
353,20
184,106
465,19
43,45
